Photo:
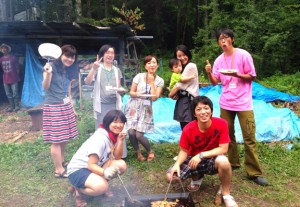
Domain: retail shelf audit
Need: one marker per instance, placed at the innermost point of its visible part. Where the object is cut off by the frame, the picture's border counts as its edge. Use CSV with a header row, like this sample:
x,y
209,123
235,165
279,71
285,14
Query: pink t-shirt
x,y
236,93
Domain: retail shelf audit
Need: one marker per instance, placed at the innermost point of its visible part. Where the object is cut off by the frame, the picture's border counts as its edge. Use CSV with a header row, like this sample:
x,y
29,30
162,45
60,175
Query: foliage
x,y
284,83
129,17
267,29
103,22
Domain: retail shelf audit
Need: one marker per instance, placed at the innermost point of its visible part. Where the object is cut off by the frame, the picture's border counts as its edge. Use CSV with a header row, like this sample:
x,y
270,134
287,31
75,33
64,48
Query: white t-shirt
x,y
99,143
193,85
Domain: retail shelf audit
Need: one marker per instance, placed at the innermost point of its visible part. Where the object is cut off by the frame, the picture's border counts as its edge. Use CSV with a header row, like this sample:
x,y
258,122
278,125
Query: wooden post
x,y
80,90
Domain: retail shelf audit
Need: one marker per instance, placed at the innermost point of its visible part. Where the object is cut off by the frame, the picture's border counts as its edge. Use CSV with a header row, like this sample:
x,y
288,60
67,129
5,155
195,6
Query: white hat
x,y
5,45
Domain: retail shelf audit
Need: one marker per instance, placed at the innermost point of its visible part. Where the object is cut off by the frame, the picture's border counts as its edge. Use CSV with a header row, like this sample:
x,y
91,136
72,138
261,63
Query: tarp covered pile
x,y
272,124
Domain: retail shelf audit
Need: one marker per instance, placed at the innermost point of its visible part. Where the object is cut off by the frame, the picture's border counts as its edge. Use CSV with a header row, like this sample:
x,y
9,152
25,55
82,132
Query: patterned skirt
x,y
59,123
139,116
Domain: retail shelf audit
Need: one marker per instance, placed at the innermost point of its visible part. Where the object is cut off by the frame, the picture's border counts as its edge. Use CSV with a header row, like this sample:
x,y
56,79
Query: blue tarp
x,y
272,124
32,93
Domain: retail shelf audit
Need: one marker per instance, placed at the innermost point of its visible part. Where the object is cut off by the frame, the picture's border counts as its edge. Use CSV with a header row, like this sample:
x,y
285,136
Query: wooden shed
x,y
85,37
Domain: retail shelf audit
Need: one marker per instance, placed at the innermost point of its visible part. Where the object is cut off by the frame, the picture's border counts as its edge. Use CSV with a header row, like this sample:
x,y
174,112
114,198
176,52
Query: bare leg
x,y
55,150
225,173
97,185
63,149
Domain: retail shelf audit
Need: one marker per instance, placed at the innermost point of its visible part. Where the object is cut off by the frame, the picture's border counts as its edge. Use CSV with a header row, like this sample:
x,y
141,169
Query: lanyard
x,y
64,82
147,91
232,61
108,74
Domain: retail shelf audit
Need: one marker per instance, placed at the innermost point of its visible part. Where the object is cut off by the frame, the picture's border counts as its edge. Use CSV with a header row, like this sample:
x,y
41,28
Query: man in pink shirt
x,y
10,67
234,68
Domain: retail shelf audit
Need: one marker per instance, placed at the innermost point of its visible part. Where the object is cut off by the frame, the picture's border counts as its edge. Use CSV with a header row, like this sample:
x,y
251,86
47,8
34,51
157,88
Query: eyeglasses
x,y
223,37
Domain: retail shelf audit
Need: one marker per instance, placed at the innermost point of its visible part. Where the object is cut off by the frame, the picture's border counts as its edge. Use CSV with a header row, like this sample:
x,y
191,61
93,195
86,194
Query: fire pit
x,y
184,200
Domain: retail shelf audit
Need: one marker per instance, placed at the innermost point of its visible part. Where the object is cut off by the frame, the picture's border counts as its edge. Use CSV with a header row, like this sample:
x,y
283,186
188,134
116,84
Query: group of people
x,y
205,140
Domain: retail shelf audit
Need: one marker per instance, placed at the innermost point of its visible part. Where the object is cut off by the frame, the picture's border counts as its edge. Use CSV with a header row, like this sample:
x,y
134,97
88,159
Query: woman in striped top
x,y
59,117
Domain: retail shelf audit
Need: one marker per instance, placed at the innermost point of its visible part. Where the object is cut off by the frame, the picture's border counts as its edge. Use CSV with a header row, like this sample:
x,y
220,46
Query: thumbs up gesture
x,y
208,67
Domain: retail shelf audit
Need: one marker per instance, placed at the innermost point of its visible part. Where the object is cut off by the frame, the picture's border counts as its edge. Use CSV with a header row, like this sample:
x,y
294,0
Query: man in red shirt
x,y
11,71
203,143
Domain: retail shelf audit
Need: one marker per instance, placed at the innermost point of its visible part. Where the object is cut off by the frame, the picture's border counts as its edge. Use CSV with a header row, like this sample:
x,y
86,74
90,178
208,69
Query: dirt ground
x,y
16,127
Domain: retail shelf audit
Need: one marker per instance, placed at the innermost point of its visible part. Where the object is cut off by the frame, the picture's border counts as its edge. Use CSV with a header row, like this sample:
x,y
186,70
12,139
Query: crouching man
x,y
203,143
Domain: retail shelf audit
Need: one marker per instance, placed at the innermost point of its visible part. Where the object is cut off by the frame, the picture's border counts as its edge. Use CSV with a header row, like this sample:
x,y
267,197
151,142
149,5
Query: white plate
x,y
147,95
118,89
49,51
228,70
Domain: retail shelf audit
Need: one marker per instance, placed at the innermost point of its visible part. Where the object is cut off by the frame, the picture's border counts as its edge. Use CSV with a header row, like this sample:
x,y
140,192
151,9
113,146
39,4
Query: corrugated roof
x,y
34,29
87,38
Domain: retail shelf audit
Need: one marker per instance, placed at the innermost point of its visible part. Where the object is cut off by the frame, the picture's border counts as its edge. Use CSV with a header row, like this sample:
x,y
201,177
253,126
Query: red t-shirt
x,y
10,67
195,141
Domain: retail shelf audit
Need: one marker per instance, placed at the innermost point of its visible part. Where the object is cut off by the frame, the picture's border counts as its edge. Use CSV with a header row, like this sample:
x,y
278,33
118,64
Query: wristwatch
x,y
201,155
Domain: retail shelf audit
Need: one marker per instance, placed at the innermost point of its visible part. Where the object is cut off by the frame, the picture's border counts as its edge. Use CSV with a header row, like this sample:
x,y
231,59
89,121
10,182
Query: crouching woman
x,y
98,160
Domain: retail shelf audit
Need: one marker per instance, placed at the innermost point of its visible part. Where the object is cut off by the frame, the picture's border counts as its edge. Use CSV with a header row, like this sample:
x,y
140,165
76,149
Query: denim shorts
x,y
78,178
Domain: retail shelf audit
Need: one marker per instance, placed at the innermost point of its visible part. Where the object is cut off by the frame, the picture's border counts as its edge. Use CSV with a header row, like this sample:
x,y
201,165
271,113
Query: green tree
x,y
268,29
129,17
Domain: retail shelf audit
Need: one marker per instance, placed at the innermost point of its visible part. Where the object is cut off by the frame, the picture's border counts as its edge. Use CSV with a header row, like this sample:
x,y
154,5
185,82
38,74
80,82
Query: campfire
x,y
173,200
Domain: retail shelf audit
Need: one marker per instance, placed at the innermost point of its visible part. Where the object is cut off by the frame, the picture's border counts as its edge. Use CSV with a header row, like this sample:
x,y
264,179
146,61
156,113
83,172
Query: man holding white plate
x,y
234,68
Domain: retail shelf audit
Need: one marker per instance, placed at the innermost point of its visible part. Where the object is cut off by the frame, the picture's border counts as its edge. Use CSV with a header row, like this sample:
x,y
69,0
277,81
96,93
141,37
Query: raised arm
x,y
214,81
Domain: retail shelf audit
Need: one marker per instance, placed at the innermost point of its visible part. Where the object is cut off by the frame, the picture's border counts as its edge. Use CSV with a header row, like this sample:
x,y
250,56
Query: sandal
x,y
109,194
61,175
229,201
140,157
79,200
194,185
65,163
151,156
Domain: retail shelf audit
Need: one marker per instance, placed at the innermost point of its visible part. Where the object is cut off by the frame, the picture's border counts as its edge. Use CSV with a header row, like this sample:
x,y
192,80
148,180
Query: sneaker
x,y
229,201
260,181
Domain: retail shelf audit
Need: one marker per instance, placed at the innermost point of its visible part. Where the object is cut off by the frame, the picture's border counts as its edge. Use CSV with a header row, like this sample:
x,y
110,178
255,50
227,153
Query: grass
x,y
27,174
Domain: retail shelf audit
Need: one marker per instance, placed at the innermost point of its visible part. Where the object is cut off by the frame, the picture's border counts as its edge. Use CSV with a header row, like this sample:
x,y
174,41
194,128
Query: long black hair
x,y
186,51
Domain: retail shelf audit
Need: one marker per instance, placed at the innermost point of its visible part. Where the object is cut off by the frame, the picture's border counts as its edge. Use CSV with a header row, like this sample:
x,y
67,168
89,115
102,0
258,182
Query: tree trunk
x,y
68,8
178,23
88,7
78,9
206,15
106,4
